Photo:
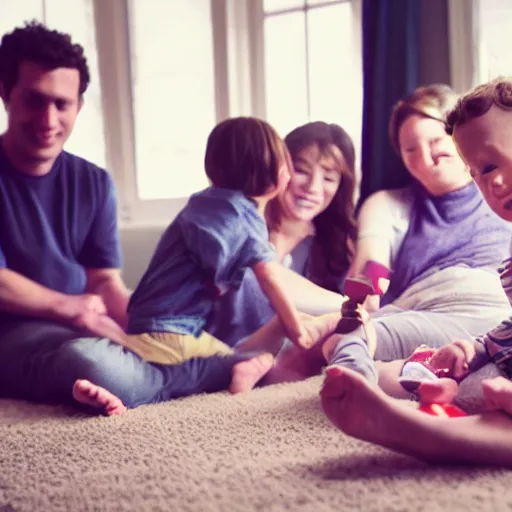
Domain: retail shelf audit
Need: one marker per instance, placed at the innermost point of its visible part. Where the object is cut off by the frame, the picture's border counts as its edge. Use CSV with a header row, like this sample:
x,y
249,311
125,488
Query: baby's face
x,y
485,145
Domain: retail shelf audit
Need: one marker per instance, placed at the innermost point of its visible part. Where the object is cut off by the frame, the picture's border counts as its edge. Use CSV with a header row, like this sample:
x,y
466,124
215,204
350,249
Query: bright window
x,y
495,38
173,95
76,18
313,65
170,70
286,74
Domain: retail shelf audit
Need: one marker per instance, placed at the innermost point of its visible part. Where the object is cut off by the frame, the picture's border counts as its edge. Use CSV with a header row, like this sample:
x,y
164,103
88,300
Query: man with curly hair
x,y
62,299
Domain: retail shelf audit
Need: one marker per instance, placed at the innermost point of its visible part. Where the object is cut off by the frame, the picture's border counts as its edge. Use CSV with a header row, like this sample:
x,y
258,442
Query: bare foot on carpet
x,y
353,405
440,391
366,412
89,394
498,394
246,374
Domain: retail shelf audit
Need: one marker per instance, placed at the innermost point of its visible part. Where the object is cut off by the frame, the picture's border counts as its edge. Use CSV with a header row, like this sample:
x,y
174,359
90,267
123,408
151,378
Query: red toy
x,y
417,369
443,410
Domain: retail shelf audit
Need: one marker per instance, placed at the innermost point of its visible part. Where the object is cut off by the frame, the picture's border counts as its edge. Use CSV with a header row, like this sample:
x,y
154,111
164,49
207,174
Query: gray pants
x,y
400,332
40,361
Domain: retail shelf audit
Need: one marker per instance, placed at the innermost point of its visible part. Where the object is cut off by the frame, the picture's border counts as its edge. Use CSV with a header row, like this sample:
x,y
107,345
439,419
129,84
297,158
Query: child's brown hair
x,y
245,153
478,102
433,101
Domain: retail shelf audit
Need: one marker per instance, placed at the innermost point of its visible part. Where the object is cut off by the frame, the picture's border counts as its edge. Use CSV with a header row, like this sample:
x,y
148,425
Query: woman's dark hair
x,y
49,49
336,230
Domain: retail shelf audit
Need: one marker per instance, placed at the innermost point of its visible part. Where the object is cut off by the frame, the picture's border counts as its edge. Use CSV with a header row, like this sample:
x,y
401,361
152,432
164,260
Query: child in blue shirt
x,y
205,250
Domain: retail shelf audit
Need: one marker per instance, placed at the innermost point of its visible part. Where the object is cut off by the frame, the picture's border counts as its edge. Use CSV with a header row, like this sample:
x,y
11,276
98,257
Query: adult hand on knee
x,y
74,307
88,312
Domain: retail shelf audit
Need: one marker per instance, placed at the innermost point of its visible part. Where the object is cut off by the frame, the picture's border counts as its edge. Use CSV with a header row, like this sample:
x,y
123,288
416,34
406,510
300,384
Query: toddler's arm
x,y
268,275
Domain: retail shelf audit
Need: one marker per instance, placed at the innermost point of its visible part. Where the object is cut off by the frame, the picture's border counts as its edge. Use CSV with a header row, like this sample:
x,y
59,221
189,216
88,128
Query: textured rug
x,y
269,450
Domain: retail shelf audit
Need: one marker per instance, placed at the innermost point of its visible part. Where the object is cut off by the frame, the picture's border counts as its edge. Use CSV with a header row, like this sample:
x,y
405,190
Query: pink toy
x,y
357,288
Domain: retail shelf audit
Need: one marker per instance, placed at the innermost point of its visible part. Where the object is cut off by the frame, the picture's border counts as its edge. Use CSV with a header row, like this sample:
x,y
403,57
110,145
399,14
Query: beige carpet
x,y
269,450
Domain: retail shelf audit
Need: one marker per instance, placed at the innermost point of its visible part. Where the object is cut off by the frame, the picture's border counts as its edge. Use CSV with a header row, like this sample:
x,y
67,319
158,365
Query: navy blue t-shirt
x,y
53,227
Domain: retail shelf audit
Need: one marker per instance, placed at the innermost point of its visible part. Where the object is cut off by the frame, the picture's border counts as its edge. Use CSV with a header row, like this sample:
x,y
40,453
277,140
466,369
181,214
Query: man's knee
x,y
93,360
110,366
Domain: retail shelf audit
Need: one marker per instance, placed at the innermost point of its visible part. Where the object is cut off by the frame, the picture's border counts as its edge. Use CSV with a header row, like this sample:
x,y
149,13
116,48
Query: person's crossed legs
x,y
245,375
47,362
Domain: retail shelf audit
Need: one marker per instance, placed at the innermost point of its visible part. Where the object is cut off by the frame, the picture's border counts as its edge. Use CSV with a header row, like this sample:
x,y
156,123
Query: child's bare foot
x,y
316,328
440,391
498,394
293,364
88,393
247,373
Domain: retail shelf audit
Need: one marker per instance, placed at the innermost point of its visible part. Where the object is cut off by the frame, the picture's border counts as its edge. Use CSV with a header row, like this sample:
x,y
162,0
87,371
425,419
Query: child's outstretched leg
x,y
293,363
498,394
367,413
351,351
87,393
246,374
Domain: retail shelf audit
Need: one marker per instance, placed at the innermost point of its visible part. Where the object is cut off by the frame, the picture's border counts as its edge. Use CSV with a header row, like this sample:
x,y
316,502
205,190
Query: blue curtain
x,y
391,39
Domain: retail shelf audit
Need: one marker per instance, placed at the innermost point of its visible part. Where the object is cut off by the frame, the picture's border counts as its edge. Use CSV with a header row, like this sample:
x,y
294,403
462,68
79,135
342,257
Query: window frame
x,y
238,49
463,40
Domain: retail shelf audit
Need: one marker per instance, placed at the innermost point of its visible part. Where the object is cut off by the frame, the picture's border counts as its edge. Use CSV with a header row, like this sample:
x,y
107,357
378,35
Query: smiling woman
x,y
440,239
312,228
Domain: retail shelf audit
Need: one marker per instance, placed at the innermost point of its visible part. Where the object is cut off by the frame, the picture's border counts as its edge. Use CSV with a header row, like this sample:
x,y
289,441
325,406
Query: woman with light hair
x,y
439,238
481,125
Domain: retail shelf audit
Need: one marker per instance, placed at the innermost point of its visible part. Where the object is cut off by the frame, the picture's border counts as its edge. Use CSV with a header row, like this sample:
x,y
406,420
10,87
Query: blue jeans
x,y
41,360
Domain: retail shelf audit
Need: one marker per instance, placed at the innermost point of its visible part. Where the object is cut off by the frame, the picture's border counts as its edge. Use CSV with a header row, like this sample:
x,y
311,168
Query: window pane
x,y
335,76
280,5
285,71
495,38
174,98
76,17
14,14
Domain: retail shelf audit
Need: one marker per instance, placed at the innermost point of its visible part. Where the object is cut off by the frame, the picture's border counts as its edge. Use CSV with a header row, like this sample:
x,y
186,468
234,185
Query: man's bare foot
x,y
440,391
246,374
498,394
89,394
